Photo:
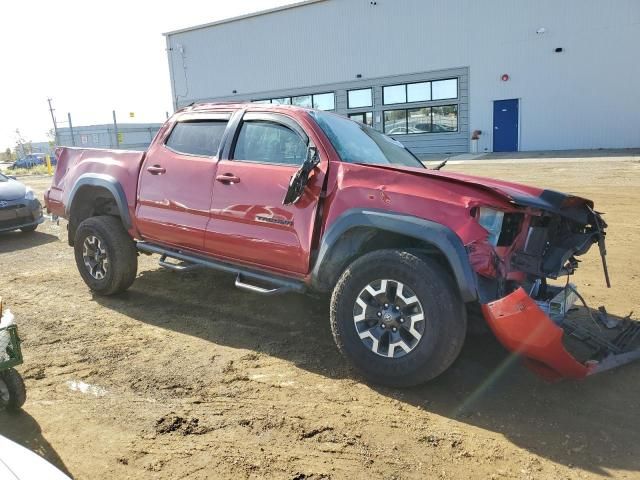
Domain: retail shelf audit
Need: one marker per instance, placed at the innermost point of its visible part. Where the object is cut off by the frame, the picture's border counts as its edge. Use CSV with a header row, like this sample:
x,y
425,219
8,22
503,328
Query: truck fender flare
x,y
104,181
330,260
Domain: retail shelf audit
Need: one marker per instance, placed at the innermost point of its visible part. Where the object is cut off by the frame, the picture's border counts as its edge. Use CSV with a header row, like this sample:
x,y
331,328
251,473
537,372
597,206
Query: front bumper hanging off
x,y
521,325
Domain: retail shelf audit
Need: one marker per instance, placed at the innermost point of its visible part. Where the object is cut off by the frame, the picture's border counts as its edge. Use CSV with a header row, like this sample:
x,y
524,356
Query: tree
x,y
7,155
23,146
51,137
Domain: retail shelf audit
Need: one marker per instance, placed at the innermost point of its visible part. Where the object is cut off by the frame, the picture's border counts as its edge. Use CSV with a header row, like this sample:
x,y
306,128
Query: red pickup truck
x,y
292,200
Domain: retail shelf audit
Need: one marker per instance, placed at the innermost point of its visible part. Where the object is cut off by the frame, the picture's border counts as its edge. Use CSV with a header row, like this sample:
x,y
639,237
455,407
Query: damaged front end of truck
x,y
524,268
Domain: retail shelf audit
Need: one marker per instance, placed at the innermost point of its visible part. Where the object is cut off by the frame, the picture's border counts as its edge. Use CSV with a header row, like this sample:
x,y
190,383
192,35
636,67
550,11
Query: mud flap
x,y
524,328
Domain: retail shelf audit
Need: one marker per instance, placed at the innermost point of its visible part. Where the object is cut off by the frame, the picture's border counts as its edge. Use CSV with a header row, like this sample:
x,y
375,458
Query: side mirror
x,y
299,179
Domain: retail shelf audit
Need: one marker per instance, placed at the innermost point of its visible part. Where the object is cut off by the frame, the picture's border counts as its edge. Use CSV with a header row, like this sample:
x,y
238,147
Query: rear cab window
x,y
198,135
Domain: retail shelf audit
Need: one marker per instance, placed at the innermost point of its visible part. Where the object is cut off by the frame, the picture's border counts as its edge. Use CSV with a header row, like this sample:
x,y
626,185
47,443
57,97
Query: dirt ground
x,y
186,377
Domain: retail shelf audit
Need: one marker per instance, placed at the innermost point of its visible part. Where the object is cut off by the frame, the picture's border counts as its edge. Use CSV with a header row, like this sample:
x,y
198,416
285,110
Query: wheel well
x,y
90,201
359,241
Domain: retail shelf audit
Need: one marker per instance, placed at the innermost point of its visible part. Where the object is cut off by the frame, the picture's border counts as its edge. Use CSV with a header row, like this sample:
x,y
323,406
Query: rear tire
x,y
13,392
384,335
106,256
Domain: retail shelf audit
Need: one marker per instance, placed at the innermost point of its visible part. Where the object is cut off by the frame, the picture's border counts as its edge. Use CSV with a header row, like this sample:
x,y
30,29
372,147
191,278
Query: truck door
x,y
248,222
176,181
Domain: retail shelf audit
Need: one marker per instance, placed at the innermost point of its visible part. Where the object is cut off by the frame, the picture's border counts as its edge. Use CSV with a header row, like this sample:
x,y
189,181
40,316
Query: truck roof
x,y
215,106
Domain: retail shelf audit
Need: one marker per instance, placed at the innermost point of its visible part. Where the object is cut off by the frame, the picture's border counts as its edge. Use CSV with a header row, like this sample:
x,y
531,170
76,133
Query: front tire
x,y
398,318
13,392
29,229
106,256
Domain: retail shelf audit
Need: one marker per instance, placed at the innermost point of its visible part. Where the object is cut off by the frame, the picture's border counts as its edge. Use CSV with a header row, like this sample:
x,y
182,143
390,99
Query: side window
x,y
197,138
269,142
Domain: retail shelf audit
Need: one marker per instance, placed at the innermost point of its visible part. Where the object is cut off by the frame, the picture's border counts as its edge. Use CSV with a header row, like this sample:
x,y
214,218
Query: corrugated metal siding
x,y
585,97
134,136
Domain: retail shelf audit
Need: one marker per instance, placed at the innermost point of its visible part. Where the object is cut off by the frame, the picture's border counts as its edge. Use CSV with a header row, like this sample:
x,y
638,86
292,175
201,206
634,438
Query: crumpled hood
x,y
11,190
516,193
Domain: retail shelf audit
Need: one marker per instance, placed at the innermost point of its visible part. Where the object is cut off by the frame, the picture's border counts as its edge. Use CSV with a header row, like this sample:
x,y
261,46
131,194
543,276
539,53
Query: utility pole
x,y
73,140
115,129
53,119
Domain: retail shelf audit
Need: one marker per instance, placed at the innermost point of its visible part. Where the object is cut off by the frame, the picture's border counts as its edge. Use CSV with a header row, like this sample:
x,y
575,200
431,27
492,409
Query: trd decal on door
x,y
274,220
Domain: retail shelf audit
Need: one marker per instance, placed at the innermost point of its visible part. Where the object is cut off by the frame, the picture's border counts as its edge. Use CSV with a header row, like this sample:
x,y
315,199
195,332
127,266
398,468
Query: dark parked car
x,y
19,208
32,160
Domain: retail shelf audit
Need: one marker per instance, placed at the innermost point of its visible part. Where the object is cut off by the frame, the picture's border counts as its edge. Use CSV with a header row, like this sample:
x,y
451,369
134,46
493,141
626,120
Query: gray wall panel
x,y
584,97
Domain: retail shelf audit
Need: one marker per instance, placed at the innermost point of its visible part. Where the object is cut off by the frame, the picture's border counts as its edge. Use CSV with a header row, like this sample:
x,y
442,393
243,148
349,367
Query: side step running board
x,y
274,285
176,267
255,289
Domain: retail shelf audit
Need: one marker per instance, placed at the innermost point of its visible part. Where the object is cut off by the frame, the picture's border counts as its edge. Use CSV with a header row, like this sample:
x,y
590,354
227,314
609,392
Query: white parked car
x,y
18,463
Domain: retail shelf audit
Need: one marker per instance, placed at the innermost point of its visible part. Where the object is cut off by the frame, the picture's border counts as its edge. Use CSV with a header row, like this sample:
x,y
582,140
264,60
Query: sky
x,y
92,58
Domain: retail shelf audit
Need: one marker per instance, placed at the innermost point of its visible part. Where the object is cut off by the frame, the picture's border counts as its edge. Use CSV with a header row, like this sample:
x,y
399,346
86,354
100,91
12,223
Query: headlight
x,y
29,195
491,221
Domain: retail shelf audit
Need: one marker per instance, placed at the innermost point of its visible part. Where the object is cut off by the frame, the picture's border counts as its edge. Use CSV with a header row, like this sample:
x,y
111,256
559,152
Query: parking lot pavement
x,y
184,376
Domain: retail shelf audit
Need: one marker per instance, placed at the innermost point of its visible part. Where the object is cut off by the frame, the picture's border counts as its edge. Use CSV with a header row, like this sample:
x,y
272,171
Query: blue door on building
x,y
505,125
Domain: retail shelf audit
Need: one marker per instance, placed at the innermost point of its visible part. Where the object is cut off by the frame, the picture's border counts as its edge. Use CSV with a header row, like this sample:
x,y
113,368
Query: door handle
x,y
228,179
156,170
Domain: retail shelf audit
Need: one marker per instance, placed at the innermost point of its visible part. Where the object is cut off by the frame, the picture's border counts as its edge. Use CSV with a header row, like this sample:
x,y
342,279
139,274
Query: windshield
x,y
3,178
358,143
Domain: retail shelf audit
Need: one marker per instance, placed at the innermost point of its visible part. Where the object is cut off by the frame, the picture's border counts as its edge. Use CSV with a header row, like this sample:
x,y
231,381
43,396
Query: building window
x,y
395,122
305,101
445,118
363,117
324,101
394,94
440,119
360,98
419,120
319,101
445,89
420,92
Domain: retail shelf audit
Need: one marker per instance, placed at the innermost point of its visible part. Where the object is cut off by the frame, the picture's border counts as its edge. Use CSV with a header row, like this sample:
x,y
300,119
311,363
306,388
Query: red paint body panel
x,y
122,165
420,195
522,327
173,207
249,223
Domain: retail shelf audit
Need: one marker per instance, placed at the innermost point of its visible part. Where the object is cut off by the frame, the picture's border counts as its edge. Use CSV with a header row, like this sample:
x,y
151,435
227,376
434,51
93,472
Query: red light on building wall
x,y
505,77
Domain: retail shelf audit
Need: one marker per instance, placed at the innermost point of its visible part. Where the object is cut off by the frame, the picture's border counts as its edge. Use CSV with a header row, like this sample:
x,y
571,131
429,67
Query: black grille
x,y
13,206
510,228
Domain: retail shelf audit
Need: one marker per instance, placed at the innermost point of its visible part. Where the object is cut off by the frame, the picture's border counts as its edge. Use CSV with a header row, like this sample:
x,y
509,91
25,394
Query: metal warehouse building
x,y
127,136
529,75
